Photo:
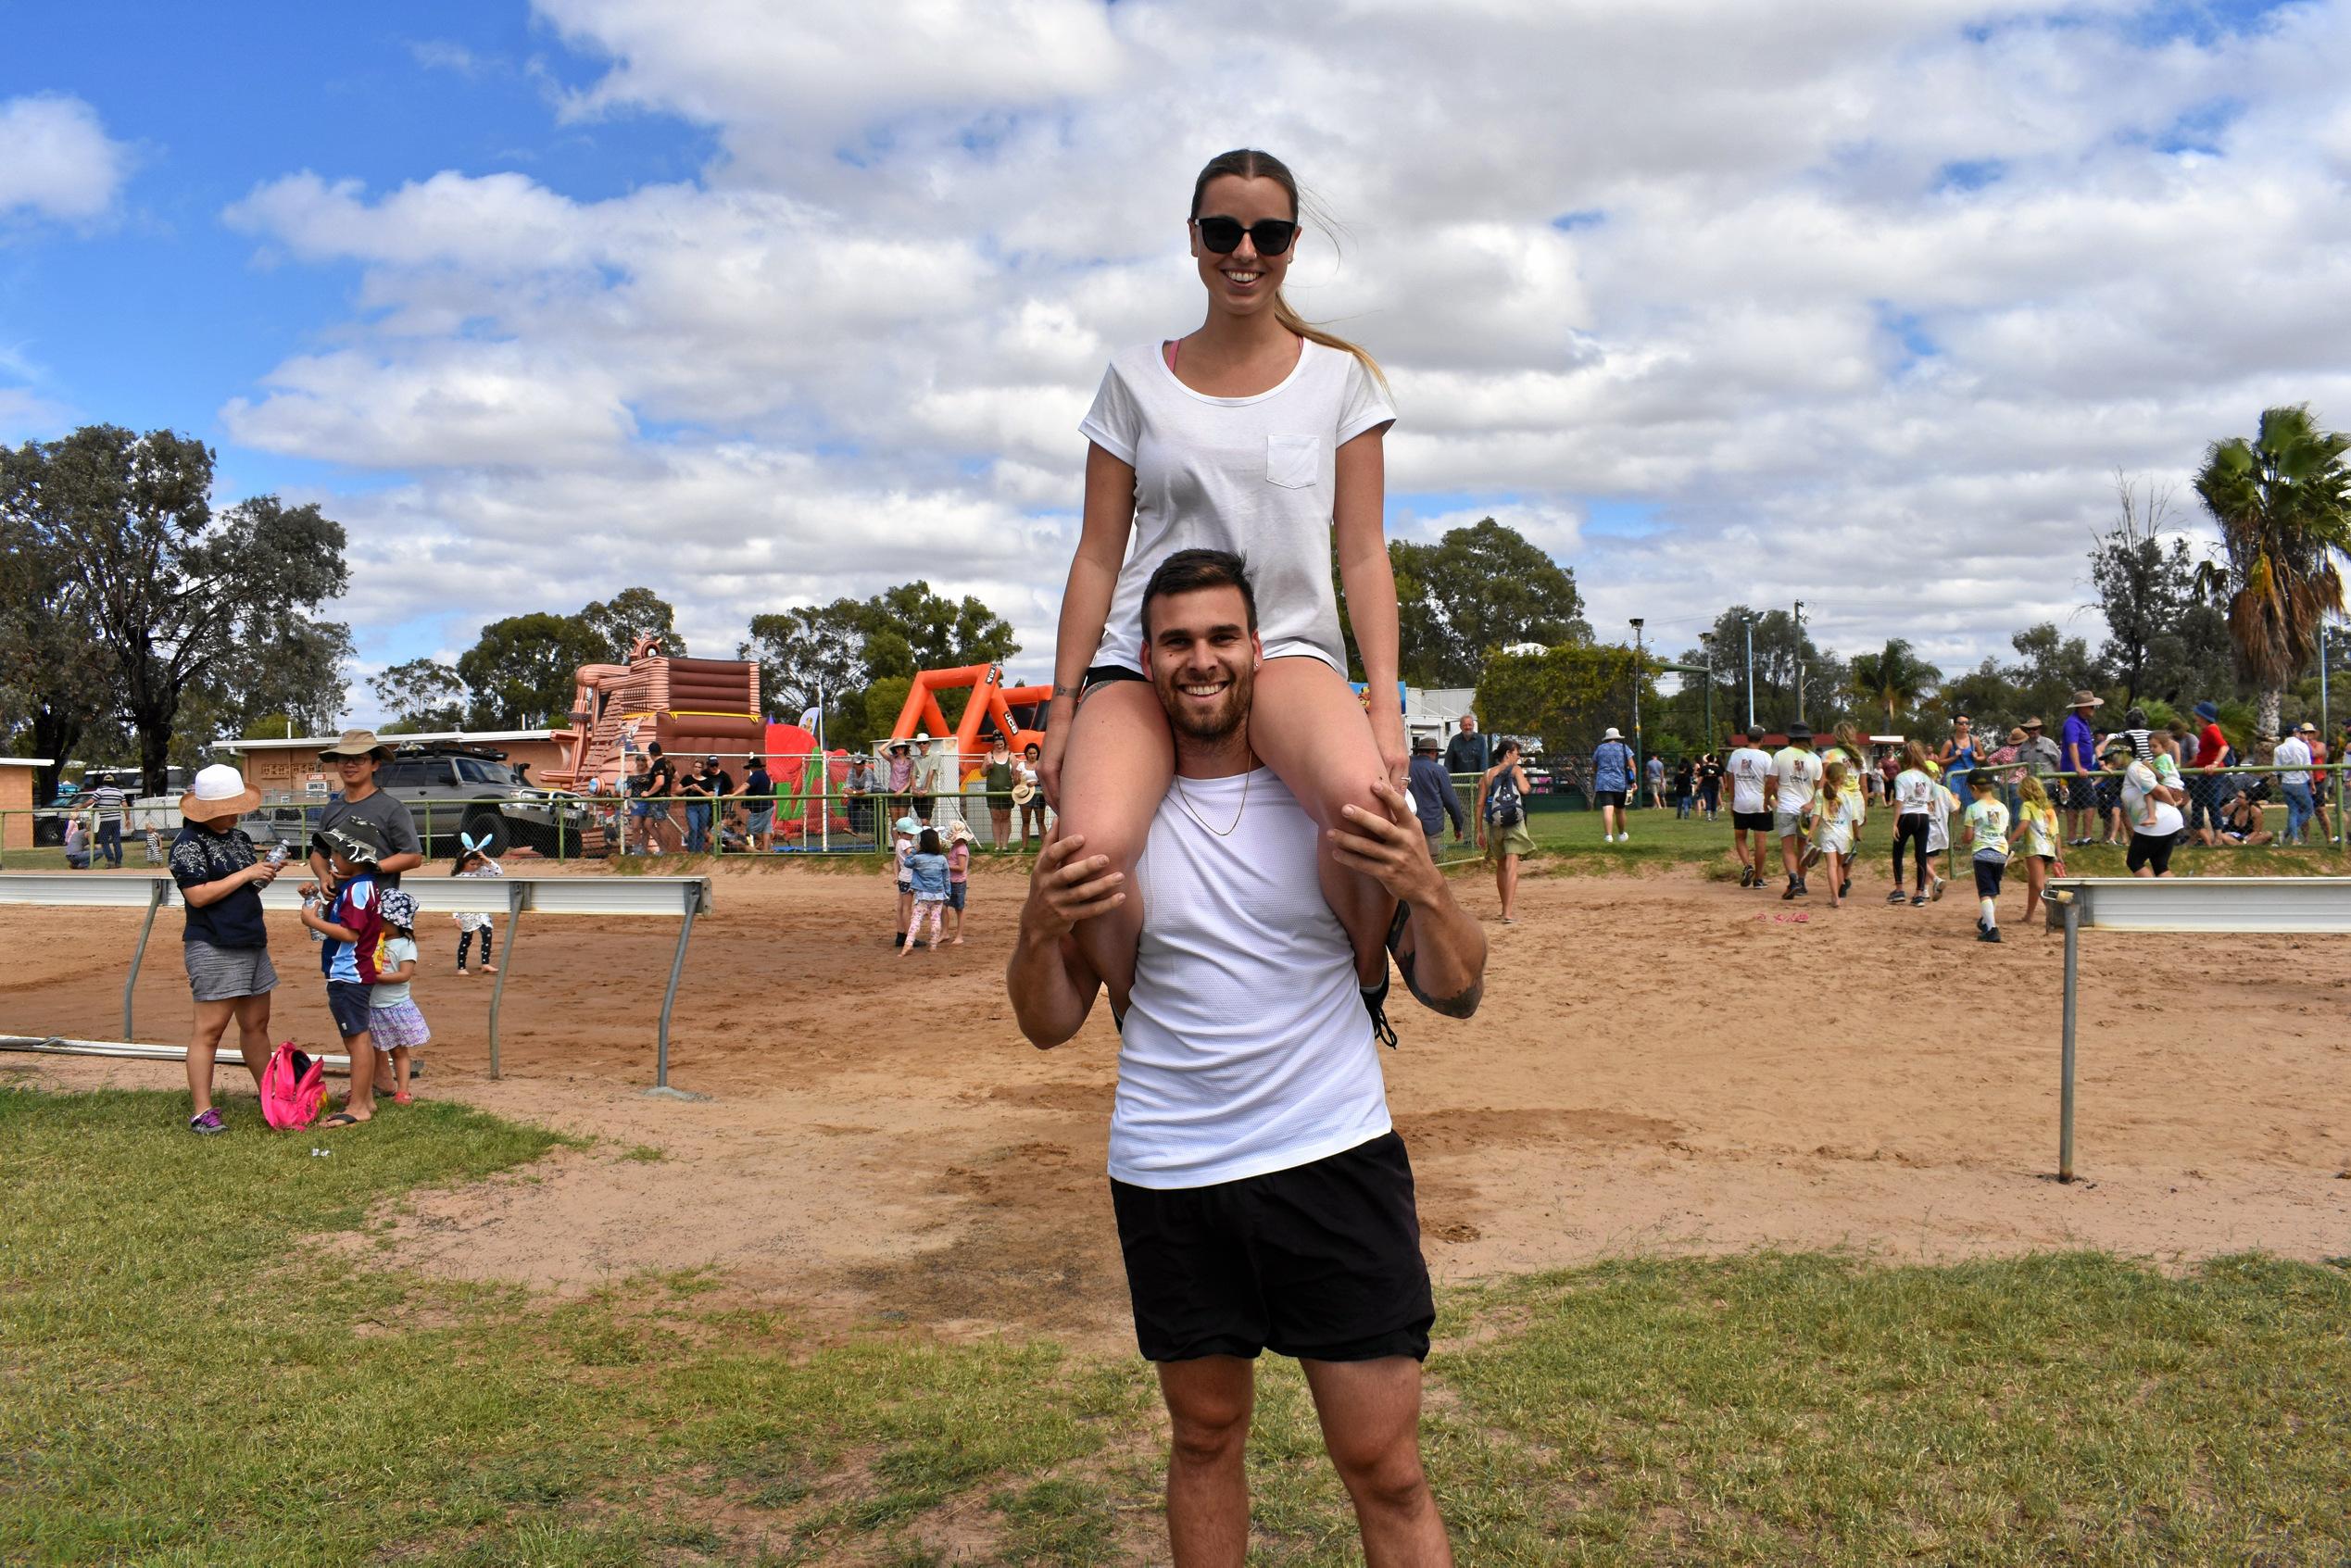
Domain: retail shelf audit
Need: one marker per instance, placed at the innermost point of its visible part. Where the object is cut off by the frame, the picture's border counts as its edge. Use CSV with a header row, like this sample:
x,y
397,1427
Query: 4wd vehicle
x,y
453,788
450,789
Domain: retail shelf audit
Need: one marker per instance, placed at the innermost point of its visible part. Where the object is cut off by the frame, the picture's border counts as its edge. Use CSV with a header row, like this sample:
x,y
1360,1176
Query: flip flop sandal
x,y
341,1119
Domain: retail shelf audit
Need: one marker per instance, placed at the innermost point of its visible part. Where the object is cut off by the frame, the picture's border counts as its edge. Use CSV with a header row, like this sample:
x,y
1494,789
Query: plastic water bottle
x,y
311,903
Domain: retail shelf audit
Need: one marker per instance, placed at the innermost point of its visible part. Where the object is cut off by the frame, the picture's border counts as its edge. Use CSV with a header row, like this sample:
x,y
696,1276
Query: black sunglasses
x,y
1222,235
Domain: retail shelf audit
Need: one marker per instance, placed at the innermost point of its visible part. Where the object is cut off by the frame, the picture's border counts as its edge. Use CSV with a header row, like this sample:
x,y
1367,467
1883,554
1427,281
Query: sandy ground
x,y
1664,1064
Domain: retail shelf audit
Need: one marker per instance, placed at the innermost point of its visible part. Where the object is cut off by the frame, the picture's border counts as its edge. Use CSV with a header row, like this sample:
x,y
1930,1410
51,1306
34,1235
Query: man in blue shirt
x,y
2077,759
1434,798
1611,782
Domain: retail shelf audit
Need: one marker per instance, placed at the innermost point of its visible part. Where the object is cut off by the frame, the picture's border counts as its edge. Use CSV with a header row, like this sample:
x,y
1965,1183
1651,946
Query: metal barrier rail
x,y
683,896
2298,906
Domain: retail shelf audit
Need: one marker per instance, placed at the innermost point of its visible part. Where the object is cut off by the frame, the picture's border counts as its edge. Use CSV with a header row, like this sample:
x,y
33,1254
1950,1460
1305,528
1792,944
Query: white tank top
x,y
1246,1047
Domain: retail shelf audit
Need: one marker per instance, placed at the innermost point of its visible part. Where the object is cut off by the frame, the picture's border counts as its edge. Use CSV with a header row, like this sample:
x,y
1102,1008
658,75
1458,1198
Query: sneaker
x,y
1918,900
1624,838
1746,877
1844,889
208,1123
1989,933
1897,896
1979,925
1793,886
901,941
1935,891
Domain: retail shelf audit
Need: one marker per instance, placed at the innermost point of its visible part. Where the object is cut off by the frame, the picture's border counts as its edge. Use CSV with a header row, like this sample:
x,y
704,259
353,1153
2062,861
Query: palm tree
x,y
2283,504
1894,676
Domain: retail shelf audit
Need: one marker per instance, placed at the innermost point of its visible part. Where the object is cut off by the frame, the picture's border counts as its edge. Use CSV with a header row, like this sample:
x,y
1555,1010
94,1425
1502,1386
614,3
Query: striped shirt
x,y
107,802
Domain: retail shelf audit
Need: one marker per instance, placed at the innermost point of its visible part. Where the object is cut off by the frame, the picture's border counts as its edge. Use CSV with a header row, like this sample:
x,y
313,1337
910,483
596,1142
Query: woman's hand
x,y
1060,714
1395,751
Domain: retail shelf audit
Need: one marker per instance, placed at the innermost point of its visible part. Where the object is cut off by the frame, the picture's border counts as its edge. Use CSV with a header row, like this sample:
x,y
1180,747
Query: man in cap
x,y
1434,798
2036,751
1796,779
2078,759
1612,783
354,758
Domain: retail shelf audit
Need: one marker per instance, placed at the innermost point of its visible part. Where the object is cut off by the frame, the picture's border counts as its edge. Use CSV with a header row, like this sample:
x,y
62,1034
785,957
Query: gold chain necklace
x,y
1185,800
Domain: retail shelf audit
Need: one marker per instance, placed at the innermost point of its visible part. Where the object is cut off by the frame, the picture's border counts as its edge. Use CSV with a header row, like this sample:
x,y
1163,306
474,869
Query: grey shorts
x,y
1786,824
223,974
761,822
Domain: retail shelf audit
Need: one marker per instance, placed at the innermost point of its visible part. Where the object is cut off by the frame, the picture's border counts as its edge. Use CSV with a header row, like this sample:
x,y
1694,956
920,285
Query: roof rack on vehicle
x,y
448,748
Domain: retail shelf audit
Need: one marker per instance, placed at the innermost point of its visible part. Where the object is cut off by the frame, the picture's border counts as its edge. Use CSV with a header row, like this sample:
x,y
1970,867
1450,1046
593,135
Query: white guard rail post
x,y
2297,906
675,896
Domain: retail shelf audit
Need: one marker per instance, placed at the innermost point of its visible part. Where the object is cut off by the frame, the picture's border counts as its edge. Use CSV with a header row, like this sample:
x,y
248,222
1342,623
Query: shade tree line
x,y
2241,624
137,620
854,659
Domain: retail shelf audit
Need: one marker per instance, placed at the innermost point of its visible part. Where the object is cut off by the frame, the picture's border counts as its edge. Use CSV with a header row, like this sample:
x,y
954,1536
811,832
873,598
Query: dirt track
x,y
1663,1064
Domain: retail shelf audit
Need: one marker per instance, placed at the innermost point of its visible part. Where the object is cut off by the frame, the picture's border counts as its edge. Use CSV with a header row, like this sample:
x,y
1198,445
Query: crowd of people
x,y
669,808
2147,789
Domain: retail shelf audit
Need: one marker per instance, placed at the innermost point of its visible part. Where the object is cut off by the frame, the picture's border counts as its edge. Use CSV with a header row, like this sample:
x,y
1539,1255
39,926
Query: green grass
x,y
189,1374
1568,844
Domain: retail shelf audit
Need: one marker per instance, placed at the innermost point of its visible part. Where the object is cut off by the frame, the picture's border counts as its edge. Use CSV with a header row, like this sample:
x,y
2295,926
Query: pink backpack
x,y
292,1088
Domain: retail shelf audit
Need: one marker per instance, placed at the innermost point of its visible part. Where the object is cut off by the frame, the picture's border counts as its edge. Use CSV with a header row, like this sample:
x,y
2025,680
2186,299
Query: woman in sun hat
x,y
226,945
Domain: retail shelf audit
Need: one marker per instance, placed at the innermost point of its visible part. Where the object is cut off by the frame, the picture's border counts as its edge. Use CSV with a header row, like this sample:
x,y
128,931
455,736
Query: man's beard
x,y
1188,719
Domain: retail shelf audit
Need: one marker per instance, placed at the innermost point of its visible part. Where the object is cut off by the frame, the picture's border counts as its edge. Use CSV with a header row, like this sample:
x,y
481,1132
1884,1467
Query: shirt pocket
x,y
1294,463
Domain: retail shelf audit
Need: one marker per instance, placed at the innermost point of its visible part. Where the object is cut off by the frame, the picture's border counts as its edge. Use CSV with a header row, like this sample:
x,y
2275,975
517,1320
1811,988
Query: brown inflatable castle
x,y
691,707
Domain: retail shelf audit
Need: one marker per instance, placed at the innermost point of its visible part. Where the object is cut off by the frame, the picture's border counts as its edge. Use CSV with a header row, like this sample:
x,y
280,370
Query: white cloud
x,y
57,161
1860,304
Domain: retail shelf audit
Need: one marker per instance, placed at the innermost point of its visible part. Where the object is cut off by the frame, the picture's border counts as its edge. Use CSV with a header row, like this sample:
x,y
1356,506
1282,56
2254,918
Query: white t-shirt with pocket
x,y
1252,475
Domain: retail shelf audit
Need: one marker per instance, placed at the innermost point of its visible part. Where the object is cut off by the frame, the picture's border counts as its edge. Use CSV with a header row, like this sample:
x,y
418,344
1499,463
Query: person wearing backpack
x,y
1501,823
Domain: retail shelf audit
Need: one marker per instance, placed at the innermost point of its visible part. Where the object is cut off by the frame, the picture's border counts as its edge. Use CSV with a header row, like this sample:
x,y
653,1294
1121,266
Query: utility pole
x,y
1636,776
1706,641
1799,662
1750,679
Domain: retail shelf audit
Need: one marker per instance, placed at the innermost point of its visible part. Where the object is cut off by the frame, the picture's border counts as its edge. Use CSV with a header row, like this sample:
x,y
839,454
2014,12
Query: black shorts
x,y
348,999
1608,797
2151,849
1321,1261
1988,871
1754,821
2081,795
1104,675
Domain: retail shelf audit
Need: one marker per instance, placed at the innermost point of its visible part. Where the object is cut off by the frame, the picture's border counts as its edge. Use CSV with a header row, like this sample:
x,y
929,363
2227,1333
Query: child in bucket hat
x,y
352,925
395,1024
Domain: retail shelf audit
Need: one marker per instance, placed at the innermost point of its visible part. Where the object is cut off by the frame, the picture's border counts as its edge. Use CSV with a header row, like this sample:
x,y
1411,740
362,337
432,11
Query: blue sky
x,y
762,305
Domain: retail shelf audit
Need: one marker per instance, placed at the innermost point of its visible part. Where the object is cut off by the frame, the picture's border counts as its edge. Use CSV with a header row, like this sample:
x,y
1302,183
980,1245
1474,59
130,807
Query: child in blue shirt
x,y
927,874
347,915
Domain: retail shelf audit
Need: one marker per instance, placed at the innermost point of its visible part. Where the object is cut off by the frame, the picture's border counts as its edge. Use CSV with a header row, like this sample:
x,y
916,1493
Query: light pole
x,y
1706,641
1636,778
1799,662
1750,679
